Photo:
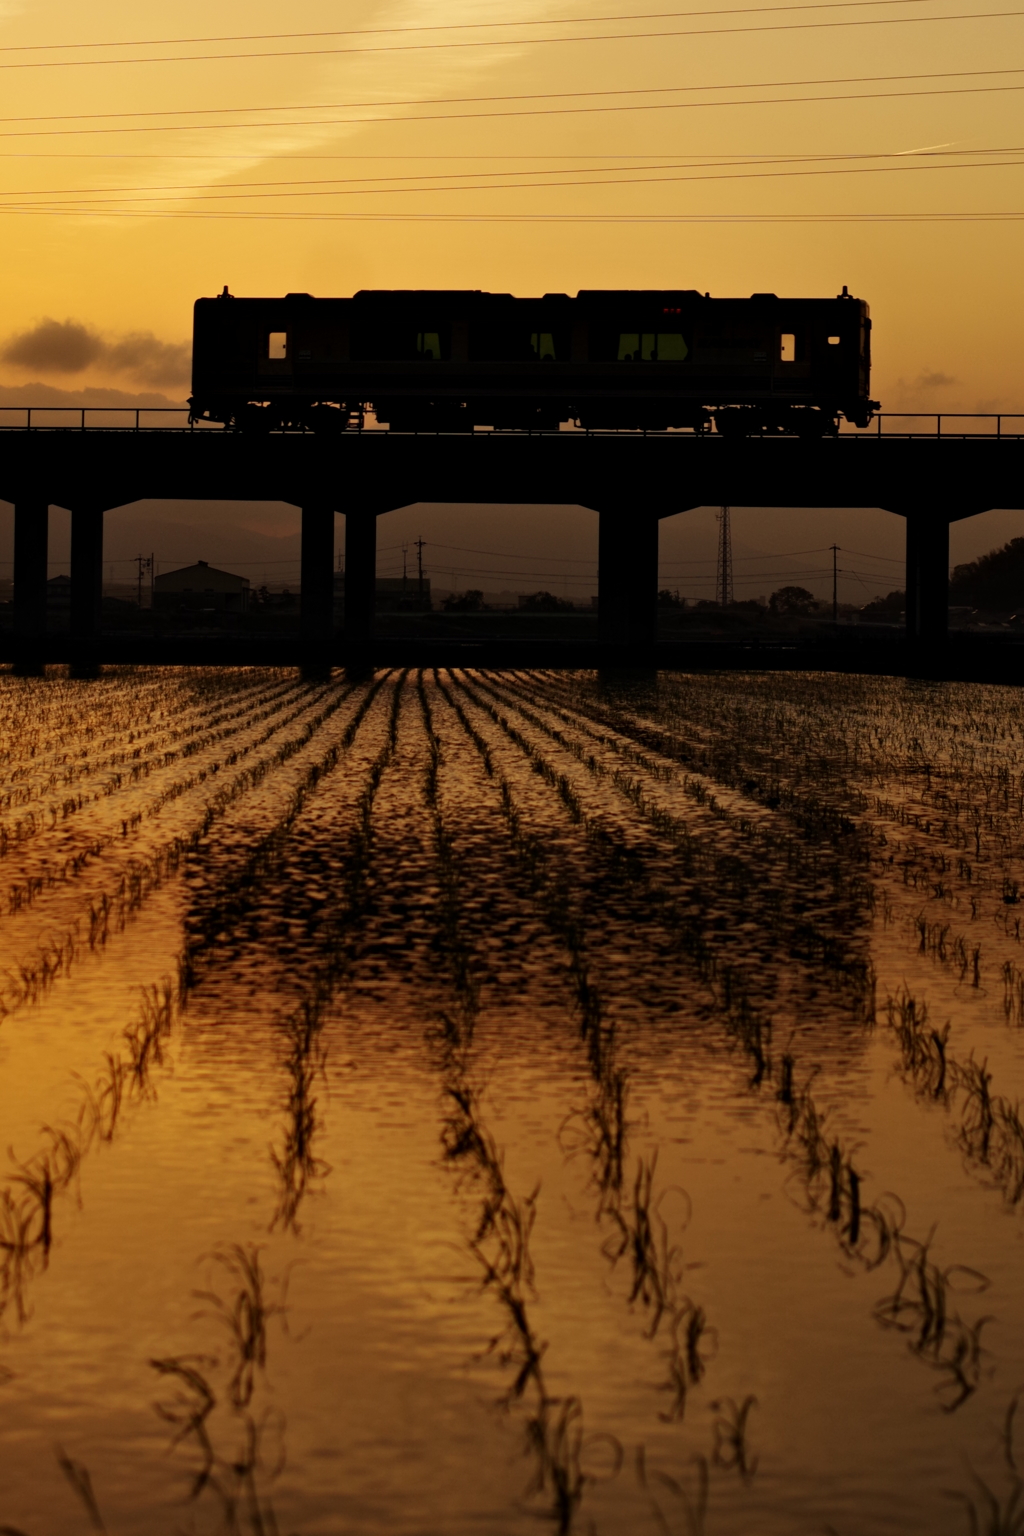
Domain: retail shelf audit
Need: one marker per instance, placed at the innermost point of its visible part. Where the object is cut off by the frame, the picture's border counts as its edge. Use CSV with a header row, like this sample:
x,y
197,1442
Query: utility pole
x,y
144,563
405,553
835,600
419,559
723,583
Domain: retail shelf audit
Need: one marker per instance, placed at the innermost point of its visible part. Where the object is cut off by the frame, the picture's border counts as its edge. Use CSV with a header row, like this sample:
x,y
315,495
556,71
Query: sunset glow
x,y
150,158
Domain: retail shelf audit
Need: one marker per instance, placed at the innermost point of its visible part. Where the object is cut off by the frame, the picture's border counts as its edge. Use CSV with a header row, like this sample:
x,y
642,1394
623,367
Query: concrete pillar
x,y
86,573
360,578
31,519
317,579
627,577
927,577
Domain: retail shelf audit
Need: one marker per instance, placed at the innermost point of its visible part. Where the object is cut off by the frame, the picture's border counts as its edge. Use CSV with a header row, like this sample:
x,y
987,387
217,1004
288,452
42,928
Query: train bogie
x,y
448,361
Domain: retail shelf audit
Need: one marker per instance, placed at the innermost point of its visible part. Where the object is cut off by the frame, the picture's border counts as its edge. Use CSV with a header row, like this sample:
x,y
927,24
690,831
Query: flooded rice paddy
x,y
498,1102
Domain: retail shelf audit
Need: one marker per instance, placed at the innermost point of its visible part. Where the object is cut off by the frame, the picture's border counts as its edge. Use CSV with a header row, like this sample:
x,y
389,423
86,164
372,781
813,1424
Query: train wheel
x,y
814,425
253,418
327,419
736,423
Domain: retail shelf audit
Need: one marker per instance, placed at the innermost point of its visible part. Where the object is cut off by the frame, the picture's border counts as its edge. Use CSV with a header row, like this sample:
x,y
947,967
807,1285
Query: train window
x,y
397,343
651,347
787,347
277,346
833,341
514,344
671,347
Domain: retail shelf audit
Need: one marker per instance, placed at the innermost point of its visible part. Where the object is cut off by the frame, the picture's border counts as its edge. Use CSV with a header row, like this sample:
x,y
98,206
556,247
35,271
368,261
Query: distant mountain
x,y
95,397
258,540
994,581
190,535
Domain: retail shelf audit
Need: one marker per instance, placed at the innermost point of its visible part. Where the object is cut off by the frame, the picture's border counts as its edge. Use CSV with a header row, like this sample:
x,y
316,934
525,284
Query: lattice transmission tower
x,y
723,579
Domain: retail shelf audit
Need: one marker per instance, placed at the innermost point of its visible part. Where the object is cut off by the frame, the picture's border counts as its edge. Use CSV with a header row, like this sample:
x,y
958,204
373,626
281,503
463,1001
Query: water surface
x,y
465,1102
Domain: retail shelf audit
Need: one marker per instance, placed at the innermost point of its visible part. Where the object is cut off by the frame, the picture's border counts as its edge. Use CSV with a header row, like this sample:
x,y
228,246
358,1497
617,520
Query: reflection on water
x,y
453,1101
227,1379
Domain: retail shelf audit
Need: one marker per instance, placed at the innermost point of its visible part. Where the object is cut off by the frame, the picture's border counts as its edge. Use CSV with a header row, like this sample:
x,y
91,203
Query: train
x,y
427,360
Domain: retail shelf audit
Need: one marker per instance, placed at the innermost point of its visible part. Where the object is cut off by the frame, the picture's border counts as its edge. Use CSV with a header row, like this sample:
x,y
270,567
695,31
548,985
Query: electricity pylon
x,y
723,578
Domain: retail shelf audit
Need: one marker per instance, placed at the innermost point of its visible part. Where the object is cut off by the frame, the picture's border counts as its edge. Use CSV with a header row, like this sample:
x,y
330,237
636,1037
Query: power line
x,y
218,157
791,554
707,161
500,554
434,101
452,26
447,117
536,575
822,573
503,554
863,555
525,112
341,187
531,42
787,554
69,210
581,559
442,117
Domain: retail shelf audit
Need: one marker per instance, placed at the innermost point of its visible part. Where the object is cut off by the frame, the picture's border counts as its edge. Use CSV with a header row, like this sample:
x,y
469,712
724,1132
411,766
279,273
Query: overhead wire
x,y
531,42
70,210
447,117
454,26
787,554
490,100
499,554
199,193
426,101
863,555
710,161
555,578
761,162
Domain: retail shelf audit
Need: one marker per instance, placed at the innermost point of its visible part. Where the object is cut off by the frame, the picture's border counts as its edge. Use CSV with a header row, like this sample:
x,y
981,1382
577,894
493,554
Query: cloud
x,y
150,360
68,346
933,380
17,396
55,346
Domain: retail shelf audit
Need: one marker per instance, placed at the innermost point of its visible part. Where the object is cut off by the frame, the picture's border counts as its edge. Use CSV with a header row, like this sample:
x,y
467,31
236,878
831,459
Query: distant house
x,y
58,592
201,586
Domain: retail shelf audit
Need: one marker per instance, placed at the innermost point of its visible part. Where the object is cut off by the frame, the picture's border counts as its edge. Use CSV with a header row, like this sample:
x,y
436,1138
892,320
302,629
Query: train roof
x,y
588,298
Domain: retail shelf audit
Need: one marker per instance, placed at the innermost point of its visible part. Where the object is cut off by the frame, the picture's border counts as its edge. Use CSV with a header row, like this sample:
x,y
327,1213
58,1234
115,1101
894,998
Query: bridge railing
x,y
93,418
956,424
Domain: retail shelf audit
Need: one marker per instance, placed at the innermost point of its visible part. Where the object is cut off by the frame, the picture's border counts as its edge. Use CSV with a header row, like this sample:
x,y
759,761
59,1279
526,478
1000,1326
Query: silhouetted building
x,y
201,586
58,593
276,599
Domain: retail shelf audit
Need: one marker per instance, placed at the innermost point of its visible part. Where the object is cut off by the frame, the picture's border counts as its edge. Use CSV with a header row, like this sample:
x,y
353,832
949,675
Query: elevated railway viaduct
x,y
630,479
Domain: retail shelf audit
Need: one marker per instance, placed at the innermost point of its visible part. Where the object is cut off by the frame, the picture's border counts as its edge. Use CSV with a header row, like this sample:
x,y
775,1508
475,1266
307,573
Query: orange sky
x,y
120,229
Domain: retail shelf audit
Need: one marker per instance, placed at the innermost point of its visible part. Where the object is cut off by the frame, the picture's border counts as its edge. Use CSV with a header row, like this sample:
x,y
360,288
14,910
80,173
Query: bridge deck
x,y
630,479
663,474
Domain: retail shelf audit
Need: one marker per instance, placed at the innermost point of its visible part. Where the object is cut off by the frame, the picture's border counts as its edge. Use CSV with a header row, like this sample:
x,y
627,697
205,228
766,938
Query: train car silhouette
x,y
452,361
